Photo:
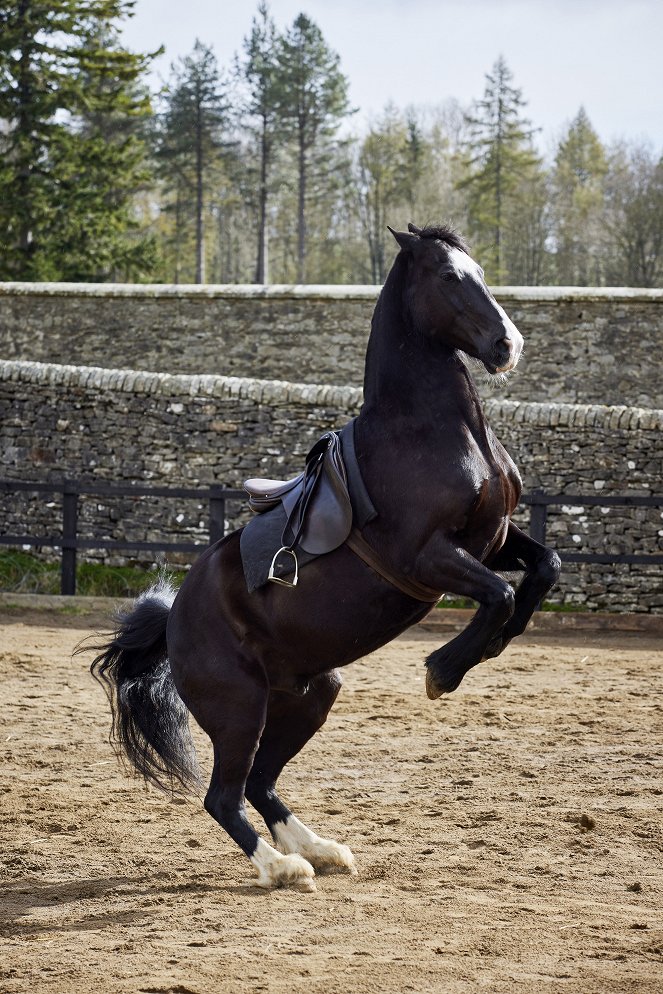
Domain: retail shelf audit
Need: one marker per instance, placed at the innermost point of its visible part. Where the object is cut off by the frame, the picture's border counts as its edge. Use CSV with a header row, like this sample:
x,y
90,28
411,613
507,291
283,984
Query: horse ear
x,y
407,241
413,228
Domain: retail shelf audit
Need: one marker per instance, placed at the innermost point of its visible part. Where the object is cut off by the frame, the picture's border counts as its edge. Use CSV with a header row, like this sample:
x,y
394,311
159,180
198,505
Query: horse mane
x,y
444,233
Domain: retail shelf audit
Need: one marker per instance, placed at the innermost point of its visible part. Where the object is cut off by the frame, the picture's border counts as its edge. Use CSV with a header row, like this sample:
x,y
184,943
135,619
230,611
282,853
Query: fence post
x,y
69,529
217,514
538,519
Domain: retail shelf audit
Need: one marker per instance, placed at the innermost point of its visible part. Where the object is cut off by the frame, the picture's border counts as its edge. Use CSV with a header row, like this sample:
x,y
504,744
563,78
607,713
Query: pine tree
x,y
499,156
633,217
260,73
528,228
578,178
313,102
384,185
189,144
67,187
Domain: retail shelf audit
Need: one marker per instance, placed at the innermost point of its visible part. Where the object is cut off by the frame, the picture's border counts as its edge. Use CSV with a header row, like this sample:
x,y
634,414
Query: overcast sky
x,y
604,54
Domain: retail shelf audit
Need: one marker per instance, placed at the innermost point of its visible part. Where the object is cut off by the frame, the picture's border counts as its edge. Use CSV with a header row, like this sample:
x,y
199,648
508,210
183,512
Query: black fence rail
x,y
216,497
539,503
70,543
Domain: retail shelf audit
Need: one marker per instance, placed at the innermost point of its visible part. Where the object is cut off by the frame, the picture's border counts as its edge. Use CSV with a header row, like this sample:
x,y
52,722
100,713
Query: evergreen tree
x,y
416,159
67,186
578,178
190,142
499,157
260,73
527,231
313,95
384,186
634,217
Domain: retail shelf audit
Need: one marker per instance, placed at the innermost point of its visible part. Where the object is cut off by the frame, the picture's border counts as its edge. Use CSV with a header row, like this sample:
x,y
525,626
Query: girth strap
x,y
420,591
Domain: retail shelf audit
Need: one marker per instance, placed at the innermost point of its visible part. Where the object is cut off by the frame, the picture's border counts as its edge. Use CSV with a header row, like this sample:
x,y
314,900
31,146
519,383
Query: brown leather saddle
x,y
317,505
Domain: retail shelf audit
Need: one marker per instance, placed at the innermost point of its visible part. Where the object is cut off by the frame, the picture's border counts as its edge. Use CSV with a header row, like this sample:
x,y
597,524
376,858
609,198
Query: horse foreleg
x,y
291,722
542,568
457,572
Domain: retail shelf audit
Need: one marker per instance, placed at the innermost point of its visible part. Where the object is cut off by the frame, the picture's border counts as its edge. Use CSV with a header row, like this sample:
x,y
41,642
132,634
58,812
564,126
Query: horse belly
x,y
339,611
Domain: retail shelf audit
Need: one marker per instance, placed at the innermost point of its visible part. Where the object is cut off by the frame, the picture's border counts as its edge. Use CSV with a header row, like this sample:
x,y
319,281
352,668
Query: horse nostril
x,y
503,347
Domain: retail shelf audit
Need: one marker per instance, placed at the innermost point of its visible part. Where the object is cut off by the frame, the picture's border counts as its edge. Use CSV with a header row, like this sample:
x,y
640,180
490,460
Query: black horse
x,y
259,671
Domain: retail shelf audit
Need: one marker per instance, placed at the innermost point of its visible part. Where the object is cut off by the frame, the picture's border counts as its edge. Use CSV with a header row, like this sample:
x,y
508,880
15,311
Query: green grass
x,y
565,608
465,602
456,602
21,572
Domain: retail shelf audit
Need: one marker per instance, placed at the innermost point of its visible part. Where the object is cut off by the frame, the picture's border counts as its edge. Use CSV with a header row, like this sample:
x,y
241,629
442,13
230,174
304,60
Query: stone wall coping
x,y
282,291
311,394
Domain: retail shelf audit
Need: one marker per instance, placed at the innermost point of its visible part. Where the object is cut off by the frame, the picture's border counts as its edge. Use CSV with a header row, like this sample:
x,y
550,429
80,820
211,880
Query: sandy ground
x,y
509,838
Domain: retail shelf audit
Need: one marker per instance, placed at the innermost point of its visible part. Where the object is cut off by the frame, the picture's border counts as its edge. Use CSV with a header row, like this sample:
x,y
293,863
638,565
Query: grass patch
x,y
456,603
21,572
465,602
564,608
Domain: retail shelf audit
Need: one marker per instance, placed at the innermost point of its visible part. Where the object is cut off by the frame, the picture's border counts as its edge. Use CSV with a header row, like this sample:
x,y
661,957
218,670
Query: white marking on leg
x,y
292,836
277,870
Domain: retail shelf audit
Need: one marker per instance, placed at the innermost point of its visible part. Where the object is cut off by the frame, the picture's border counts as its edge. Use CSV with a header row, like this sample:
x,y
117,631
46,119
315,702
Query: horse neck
x,y
406,375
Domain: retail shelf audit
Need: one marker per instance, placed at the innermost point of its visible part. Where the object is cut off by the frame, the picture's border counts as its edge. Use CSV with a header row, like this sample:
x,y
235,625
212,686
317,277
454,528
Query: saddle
x,y
316,512
316,503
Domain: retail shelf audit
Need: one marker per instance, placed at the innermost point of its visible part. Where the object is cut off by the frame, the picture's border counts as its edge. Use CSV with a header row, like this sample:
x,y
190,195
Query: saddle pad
x,y
261,537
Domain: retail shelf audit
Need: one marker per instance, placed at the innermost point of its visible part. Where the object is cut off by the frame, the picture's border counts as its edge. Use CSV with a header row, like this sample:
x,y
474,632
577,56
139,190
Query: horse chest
x,y
495,487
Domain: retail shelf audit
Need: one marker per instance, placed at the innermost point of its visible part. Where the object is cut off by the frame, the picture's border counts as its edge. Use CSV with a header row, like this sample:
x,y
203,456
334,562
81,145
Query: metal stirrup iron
x,y
279,579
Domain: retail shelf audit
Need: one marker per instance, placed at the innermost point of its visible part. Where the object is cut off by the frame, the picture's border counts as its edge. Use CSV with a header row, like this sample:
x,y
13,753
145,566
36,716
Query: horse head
x,y
448,300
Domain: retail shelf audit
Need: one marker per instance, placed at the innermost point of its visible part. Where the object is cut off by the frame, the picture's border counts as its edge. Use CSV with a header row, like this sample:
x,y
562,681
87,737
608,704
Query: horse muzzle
x,y
506,350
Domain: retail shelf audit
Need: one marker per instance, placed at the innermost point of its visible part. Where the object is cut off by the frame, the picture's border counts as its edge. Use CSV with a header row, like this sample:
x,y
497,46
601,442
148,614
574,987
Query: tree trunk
x,y
262,267
301,215
24,174
178,232
200,251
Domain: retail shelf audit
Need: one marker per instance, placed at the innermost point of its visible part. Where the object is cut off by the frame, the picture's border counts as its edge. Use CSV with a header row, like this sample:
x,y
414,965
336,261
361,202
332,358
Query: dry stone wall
x,y
123,426
583,345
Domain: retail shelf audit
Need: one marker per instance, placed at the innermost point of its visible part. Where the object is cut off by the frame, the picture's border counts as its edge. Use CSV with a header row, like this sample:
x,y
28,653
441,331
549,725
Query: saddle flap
x,y
328,518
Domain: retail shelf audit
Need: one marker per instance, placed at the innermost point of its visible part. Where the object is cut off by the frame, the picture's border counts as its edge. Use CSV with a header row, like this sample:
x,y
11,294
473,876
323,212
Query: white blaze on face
x,y
465,267
463,264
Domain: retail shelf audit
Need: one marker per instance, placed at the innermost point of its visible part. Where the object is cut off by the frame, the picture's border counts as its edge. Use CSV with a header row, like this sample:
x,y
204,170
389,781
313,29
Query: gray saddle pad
x,y
261,538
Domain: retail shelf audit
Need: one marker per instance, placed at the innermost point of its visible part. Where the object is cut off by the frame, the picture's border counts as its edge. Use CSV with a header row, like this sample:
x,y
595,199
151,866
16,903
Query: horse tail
x,y
150,722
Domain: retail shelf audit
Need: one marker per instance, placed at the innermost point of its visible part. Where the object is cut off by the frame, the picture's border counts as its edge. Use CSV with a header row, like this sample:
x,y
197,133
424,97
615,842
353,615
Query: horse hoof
x,y
276,870
437,684
326,855
494,648
433,690
332,857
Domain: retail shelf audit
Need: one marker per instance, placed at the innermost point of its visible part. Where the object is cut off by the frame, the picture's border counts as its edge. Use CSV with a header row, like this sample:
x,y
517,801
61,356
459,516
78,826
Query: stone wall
x,y
598,346
125,426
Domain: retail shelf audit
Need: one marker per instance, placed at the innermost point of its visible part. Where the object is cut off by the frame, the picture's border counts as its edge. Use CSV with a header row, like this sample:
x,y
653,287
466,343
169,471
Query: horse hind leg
x,y
231,709
291,722
225,803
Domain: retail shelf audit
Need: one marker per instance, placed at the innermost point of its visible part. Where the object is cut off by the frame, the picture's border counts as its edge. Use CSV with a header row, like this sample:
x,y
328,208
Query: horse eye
x,y
449,278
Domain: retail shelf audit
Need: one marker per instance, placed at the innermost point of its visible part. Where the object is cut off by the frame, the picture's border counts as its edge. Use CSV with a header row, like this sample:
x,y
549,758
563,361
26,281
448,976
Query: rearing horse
x,y
259,671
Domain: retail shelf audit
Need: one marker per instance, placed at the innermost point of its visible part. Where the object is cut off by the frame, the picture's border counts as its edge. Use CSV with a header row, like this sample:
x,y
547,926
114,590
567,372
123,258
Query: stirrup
x,y
277,579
